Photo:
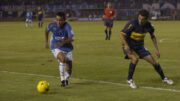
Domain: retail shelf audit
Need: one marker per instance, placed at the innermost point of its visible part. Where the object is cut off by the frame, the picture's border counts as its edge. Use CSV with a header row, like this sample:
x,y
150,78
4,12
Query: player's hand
x,y
58,44
47,46
158,53
112,18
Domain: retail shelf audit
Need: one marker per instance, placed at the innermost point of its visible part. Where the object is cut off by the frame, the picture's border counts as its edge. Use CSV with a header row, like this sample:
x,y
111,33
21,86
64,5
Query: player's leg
x,y
41,23
68,71
134,60
110,27
158,68
106,28
155,64
106,32
62,66
26,23
31,22
110,32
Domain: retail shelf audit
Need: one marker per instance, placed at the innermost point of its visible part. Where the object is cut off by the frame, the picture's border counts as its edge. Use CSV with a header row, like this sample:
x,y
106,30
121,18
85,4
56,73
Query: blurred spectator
x,y
174,14
167,5
84,7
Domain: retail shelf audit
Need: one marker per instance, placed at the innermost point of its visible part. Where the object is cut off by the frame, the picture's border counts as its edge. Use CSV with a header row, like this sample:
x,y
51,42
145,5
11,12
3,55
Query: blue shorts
x,y
40,18
140,52
108,23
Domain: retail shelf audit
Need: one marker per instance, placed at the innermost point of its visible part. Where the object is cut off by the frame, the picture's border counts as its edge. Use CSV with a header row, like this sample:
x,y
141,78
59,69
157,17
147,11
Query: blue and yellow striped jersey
x,y
136,33
40,12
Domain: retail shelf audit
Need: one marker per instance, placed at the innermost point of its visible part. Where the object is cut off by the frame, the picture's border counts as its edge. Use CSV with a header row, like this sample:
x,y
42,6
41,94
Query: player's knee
x,y
135,60
155,63
62,59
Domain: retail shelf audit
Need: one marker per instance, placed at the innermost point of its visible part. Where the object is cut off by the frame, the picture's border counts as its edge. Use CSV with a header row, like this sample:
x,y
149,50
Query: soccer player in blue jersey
x,y
61,45
132,37
29,18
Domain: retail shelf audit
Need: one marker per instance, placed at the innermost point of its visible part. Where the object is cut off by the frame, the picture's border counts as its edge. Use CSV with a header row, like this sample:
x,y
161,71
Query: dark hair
x,y
61,14
144,13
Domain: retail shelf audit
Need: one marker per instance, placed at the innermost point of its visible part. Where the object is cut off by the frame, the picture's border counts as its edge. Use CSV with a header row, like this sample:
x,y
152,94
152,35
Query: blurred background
x,y
89,9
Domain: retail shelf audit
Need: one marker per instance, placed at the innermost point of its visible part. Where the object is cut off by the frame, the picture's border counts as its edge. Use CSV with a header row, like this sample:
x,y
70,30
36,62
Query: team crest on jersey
x,y
60,35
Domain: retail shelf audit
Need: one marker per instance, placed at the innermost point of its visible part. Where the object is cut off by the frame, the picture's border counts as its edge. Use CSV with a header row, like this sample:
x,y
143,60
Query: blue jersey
x,y
29,15
135,33
40,14
60,34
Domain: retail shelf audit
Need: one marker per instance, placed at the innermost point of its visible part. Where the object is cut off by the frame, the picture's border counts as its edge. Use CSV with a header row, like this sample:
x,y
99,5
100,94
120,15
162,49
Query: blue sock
x,y
106,32
159,70
131,70
110,35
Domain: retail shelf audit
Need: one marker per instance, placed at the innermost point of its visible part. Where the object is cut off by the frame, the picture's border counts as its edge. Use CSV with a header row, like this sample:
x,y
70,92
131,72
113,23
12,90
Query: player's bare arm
x,y
126,46
46,39
113,17
153,37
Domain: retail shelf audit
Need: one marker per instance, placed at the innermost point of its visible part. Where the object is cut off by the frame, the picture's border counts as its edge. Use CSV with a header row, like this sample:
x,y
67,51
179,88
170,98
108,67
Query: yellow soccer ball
x,y
43,87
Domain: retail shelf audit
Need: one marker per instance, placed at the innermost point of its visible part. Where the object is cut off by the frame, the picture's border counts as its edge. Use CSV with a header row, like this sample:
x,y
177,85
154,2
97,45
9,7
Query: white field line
x,y
161,40
95,81
172,40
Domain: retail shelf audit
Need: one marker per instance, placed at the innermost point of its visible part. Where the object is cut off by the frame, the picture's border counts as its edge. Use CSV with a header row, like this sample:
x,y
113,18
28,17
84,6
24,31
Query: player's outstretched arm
x,y
126,46
46,39
114,15
153,37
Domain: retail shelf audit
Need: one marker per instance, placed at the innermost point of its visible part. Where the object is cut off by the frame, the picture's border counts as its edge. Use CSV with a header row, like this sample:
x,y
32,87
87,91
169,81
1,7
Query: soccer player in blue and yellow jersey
x,y
109,15
29,17
61,45
132,37
40,17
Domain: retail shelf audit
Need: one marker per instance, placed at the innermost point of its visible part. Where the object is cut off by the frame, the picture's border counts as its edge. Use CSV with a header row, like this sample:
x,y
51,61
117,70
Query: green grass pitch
x,y
22,53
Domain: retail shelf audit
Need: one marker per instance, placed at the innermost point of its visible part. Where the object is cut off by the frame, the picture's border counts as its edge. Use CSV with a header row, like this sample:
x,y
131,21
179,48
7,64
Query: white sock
x,y
62,70
26,24
31,24
62,78
67,75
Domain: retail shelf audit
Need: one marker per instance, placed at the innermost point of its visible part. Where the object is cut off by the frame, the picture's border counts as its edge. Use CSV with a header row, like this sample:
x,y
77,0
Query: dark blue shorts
x,y
140,52
40,18
108,23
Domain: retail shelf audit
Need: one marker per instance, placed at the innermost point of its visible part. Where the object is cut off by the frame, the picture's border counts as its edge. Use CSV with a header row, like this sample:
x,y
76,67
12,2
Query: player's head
x,y
60,18
39,8
109,5
143,16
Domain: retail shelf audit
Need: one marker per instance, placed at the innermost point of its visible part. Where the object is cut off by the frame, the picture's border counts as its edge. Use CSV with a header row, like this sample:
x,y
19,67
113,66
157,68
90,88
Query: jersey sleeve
x,y
151,29
114,13
128,28
70,32
104,11
49,27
